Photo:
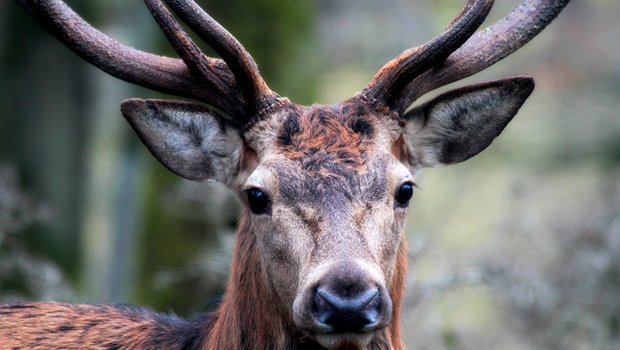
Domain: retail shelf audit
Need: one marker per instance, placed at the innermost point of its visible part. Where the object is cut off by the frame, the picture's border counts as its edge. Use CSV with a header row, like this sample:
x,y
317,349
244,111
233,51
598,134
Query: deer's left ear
x,y
461,123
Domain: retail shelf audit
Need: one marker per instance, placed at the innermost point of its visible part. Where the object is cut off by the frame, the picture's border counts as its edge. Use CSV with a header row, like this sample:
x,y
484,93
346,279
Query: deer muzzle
x,y
346,301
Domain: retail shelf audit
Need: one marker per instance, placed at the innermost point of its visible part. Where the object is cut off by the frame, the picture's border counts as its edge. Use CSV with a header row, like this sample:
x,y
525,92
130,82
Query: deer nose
x,y
346,298
346,312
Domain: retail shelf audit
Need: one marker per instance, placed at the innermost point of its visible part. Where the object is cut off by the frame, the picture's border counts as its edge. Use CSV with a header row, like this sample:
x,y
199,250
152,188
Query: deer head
x,y
325,188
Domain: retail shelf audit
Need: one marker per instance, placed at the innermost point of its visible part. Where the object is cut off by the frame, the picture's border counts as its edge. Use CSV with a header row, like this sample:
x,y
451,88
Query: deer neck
x,y
250,316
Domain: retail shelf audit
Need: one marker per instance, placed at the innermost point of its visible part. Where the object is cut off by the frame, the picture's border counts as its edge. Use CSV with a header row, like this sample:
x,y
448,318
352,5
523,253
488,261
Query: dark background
x,y
518,248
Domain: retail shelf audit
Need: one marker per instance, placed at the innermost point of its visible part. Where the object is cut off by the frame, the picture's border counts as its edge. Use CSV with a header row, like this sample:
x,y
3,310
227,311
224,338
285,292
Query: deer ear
x,y
461,123
191,140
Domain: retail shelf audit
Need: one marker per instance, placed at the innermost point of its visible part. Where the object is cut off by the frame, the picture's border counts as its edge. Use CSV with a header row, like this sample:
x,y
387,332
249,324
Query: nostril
x,y
345,302
347,313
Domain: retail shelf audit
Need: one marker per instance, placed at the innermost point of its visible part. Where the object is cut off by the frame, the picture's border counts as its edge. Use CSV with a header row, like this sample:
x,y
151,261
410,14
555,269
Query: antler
x,y
386,86
235,85
232,85
482,50
230,49
488,46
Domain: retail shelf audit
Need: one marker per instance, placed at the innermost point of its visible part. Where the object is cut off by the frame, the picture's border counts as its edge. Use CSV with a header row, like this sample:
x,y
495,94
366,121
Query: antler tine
x,y
388,84
196,61
162,74
487,47
252,85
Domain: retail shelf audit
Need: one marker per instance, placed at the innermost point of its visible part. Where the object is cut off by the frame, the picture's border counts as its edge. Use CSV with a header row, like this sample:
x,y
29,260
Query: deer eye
x,y
404,193
258,200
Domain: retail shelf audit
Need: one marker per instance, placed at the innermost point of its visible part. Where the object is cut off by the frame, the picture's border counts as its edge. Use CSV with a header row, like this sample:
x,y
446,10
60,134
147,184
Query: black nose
x,y
347,312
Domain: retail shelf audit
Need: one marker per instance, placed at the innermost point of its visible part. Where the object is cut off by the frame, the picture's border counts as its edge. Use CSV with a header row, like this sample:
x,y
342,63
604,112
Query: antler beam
x,y
387,85
252,85
485,48
458,52
196,61
233,85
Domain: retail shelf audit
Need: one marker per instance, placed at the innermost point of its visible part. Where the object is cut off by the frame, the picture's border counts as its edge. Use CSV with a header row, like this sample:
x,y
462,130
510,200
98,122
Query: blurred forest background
x,y
518,248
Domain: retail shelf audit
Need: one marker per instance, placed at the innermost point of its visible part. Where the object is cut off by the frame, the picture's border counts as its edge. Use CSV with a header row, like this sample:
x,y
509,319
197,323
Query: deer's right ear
x,y
191,140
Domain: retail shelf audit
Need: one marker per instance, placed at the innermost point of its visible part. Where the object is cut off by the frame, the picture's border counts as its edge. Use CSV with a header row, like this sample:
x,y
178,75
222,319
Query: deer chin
x,y
344,341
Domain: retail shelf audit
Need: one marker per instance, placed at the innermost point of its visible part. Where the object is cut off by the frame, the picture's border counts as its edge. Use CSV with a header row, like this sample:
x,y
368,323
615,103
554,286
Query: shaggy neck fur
x,y
251,316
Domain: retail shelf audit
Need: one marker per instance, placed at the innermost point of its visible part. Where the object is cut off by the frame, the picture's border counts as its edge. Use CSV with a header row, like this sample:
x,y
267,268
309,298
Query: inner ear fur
x,y
459,124
191,140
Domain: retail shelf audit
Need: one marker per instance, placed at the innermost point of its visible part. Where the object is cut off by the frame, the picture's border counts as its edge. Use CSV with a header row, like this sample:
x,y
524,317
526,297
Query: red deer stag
x,y
320,257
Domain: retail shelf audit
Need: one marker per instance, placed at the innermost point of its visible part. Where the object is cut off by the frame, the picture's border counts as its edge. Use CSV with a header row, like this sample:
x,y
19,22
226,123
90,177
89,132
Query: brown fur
x,y
329,147
250,316
397,291
326,134
399,149
45,326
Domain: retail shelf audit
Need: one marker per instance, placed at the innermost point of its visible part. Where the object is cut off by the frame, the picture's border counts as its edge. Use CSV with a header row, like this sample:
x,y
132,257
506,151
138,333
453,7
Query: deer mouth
x,y
344,341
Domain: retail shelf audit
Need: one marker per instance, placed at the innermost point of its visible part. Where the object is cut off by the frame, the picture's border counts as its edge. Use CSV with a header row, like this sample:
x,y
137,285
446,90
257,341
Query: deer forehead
x,y
322,152
349,125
